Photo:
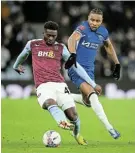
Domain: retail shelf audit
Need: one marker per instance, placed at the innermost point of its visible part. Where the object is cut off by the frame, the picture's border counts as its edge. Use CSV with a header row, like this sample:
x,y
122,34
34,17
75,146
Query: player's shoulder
x,y
82,26
59,44
35,40
102,29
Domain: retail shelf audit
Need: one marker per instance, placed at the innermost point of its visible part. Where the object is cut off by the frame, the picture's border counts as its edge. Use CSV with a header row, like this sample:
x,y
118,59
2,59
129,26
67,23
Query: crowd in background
x,y
16,29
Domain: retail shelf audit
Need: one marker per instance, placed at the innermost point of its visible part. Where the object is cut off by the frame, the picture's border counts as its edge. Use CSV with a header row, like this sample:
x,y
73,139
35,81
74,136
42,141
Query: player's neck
x,y
49,44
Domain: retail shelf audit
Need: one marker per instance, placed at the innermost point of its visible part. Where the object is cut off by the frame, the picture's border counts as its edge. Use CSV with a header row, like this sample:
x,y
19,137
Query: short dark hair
x,y
96,11
51,25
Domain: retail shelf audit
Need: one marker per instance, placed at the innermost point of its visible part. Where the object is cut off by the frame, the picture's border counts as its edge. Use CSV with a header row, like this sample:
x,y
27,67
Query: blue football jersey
x,y
89,44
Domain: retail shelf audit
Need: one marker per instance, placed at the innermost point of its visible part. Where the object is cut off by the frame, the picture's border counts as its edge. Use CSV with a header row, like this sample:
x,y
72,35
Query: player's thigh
x,y
44,92
65,101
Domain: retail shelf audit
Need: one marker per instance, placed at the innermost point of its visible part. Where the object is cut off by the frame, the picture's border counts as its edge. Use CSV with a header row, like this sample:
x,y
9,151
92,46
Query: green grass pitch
x,y
24,123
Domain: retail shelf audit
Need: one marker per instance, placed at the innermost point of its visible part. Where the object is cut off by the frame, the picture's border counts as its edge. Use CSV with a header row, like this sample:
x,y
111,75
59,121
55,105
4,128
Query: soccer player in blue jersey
x,y
83,45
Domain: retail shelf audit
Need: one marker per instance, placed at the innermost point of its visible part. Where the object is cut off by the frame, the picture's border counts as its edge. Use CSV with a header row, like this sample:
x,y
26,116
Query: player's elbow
x,y
109,50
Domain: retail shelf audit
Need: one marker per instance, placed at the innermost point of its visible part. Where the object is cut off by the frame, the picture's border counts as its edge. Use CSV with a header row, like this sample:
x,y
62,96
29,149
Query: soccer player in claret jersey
x,y
52,91
83,45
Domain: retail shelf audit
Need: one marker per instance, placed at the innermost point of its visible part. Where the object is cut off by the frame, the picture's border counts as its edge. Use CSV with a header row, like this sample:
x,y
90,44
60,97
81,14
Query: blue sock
x,y
57,113
77,126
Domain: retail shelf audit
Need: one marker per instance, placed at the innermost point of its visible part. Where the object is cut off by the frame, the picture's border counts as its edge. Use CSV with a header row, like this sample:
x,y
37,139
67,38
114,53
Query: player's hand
x,y
98,89
116,72
20,69
71,60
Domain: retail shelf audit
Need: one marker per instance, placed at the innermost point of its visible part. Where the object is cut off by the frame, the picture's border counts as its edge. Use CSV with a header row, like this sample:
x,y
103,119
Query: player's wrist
x,y
117,66
73,53
15,66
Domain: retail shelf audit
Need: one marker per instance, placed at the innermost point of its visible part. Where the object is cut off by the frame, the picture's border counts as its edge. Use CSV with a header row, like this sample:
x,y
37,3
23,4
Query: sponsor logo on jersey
x,y
49,54
90,45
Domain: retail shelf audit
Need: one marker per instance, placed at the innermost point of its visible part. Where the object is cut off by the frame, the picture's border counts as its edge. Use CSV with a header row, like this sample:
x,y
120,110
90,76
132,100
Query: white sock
x,y
77,98
57,113
98,109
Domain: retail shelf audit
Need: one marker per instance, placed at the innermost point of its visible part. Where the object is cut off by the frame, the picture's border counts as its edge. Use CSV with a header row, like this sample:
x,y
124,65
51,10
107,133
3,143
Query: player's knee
x,y
86,100
48,103
71,114
74,117
90,95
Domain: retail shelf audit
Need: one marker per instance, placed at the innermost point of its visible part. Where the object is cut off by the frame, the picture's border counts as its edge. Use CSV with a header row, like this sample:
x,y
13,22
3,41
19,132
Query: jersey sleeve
x,y
81,29
79,70
27,48
23,55
106,34
65,53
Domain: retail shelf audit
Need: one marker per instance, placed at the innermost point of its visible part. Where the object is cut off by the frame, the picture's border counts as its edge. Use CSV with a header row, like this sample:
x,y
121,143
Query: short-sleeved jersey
x,y
46,61
89,44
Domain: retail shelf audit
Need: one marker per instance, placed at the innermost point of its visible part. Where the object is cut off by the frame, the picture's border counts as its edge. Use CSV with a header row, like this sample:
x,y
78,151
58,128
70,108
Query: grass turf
x,y
24,123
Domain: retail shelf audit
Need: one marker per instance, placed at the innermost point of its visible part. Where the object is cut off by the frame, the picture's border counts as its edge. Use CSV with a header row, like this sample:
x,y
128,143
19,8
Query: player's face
x,y
50,36
95,20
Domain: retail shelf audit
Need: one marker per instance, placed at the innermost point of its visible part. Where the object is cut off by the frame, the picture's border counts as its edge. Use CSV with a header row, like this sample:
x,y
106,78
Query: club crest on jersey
x,y
49,54
56,47
101,38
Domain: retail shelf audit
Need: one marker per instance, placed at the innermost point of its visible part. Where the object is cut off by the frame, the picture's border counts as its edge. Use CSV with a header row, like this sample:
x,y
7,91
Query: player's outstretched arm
x,y
79,69
21,58
72,42
83,74
112,54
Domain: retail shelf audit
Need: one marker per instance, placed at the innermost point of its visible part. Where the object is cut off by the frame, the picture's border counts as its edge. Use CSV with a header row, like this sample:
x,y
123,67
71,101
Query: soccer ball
x,y
51,138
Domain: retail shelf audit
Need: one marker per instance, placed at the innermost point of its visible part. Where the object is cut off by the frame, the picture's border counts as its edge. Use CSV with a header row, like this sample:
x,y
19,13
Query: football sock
x,y
77,126
98,109
57,113
77,98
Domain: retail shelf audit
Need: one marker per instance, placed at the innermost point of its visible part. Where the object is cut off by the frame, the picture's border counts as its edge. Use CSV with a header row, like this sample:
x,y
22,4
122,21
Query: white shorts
x,y
57,92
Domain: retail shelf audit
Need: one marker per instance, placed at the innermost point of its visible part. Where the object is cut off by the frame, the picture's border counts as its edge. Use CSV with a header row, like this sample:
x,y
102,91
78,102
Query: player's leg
x,y
71,114
98,108
47,100
77,80
92,100
81,99
66,102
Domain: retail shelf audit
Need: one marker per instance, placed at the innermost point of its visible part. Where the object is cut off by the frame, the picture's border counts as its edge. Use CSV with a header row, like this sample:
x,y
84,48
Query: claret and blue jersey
x,y
87,48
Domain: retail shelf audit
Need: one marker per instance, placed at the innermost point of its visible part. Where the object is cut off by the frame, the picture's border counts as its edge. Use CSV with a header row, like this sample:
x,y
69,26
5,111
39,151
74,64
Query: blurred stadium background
x,y
23,20
23,121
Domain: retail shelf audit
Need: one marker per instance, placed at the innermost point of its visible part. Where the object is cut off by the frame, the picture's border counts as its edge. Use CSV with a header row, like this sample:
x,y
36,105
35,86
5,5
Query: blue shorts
x,y
76,79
